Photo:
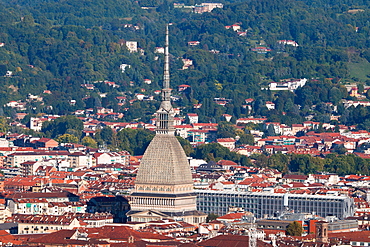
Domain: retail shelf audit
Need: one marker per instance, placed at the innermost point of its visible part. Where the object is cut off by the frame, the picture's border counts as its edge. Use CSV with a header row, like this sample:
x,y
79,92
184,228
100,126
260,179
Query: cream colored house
x,y
29,224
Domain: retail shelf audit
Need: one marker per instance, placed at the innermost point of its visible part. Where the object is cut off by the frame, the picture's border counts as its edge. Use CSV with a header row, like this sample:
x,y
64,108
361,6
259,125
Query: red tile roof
x,y
65,238
122,233
231,216
231,241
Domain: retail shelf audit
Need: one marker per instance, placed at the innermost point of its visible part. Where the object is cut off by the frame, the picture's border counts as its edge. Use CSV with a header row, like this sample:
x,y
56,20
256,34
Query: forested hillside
x,y
59,45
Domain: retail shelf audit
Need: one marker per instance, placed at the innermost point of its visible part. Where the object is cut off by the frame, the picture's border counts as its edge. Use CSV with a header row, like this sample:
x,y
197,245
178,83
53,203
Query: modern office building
x,y
263,204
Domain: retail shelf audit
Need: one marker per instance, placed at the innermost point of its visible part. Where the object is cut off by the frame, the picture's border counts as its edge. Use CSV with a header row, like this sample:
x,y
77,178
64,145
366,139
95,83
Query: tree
x,y
216,152
246,139
107,135
134,141
225,130
279,161
67,138
260,160
185,144
89,142
62,125
360,87
4,126
271,130
3,69
299,163
335,95
294,229
339,149
77,49
211,151
211,217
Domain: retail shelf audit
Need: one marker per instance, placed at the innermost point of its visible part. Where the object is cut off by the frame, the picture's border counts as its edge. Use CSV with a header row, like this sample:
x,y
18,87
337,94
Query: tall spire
x,y
166,74
165,112
164,185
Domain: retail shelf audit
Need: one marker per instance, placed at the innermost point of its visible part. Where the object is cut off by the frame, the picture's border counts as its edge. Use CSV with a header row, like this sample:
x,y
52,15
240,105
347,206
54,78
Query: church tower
x,y
164,185
322,232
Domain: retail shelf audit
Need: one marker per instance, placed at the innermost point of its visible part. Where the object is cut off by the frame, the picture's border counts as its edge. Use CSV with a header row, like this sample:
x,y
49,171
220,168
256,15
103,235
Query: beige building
x,y
15,159
4,213
164,185
76,159
30,224
29,168
111,158
227,142
60,208
132,46
28,206
207,7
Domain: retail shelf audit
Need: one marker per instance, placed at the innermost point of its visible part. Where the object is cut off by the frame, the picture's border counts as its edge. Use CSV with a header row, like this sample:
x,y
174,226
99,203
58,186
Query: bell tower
x,y
322,232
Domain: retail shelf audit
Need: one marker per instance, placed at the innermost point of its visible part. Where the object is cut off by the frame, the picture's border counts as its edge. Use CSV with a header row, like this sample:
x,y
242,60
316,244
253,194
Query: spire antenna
x,y
166,74
165,113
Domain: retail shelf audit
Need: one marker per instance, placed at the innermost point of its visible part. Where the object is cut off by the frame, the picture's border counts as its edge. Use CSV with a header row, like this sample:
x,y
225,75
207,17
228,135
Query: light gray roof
x,y
164,163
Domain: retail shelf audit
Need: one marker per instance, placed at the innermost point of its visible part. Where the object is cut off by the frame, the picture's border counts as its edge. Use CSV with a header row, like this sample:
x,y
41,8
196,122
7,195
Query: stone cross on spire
x,y
165,112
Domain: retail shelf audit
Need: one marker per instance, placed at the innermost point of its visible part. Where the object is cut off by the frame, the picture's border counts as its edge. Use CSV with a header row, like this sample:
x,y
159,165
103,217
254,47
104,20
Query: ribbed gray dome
x,y
164,163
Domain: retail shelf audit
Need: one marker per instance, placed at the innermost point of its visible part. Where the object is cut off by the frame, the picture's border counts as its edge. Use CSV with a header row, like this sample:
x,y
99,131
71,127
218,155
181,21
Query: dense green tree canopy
x,y
294,229
216,152
63,125
340,164
67,138
89,142
4,127
59,45
134,140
